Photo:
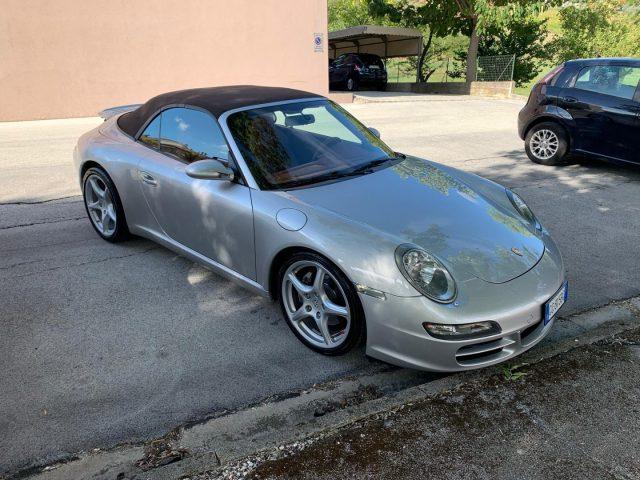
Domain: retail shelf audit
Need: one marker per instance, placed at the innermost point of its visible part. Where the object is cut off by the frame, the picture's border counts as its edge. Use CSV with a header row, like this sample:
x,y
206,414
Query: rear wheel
x,y
352,84
102,202
320,305
547,144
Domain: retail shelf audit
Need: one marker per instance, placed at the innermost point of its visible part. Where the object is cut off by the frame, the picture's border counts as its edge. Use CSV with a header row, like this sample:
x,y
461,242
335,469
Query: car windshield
x,y
294,144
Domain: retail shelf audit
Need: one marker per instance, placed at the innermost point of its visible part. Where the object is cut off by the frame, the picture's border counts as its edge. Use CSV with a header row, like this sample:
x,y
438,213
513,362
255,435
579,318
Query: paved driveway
x,y
103,344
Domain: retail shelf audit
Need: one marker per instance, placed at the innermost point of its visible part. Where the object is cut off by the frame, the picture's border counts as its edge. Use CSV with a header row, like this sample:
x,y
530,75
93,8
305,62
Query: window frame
x,y
636,95
231,161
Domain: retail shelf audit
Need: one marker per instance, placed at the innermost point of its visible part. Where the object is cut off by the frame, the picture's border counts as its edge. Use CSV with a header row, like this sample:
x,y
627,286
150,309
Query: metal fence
x,y
497,68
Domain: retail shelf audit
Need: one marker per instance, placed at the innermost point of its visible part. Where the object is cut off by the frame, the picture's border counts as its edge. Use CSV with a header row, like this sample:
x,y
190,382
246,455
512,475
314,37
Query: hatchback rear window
x,y
371,61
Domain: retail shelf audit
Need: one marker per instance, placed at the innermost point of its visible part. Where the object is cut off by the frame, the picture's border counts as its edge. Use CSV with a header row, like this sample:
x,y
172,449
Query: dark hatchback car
x,y
351,71
589,107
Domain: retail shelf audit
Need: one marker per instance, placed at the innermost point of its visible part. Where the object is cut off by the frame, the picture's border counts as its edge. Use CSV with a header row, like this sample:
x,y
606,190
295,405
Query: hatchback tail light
x,y
546,80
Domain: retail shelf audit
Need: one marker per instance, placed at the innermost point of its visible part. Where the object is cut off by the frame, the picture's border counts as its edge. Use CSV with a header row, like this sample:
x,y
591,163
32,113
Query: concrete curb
x,y
404,97
220,441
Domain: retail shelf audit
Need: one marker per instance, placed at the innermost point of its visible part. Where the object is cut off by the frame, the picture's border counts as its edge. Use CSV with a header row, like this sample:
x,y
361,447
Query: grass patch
x,y
512,372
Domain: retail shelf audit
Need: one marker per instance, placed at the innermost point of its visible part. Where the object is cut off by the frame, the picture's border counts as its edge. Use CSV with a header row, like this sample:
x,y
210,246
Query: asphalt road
x,y
104,344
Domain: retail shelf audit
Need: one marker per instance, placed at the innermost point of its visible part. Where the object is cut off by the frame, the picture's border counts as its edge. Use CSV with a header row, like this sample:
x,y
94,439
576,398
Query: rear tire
x,y
547,143
103,205
320,305
352,84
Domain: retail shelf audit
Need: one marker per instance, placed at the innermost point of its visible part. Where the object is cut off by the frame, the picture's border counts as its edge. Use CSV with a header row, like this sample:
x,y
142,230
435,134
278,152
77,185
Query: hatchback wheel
x,y
547,144
320,305
352,84
103,205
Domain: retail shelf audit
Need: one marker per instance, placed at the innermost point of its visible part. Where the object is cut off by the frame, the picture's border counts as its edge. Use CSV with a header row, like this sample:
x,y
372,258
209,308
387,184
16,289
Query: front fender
x,y
365,255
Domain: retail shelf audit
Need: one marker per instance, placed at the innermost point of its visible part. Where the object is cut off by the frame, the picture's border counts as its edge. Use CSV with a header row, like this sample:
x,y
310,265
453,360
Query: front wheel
x,y
320,305
547,144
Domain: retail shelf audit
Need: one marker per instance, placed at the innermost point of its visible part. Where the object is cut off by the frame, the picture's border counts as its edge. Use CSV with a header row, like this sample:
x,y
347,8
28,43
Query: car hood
x,y
466,221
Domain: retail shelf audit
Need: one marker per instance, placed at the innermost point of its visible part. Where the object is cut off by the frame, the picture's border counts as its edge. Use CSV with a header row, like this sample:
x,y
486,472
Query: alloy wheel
x,y
544,144
316,304
350,84
100,205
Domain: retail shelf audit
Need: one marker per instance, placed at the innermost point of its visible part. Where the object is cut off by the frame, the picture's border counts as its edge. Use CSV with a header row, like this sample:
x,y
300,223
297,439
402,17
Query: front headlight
x,y
426,273
523,209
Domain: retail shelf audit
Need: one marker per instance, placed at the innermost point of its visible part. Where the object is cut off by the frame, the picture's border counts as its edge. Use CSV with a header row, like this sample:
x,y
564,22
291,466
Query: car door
x,y
211,217
338,70
603,106
332,72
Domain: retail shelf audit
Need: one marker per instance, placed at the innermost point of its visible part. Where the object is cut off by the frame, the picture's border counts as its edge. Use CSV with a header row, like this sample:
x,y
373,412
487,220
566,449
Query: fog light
x,y
463,331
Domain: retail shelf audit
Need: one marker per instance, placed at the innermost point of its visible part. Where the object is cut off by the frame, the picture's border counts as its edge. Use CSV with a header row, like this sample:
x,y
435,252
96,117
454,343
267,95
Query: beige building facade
x,y
72,58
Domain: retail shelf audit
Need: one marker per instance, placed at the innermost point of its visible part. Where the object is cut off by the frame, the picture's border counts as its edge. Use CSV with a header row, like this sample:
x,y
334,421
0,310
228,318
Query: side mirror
x,y
375,131
209,169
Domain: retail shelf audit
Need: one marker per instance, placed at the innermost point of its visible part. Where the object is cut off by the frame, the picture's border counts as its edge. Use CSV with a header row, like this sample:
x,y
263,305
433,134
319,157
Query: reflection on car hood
x,y
431,206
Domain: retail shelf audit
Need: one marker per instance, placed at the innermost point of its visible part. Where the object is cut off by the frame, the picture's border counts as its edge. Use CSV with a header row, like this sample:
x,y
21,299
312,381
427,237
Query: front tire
x,y
320,304
547,144
103,205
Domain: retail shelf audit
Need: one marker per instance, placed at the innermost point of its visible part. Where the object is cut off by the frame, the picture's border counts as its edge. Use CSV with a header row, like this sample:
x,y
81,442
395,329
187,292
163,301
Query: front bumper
x,y
395,333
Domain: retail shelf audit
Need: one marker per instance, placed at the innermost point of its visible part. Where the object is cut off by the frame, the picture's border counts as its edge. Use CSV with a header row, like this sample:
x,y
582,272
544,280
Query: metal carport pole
x,y
418,63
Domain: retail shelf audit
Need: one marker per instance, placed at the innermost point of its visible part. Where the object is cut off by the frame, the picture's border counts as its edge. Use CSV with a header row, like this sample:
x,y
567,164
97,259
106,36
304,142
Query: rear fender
x,y
553,113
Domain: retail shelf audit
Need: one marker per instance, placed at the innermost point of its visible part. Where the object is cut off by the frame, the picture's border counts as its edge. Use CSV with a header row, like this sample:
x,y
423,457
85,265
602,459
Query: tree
x,y
436,18
445,17
348,13
521,35
595,28
483,15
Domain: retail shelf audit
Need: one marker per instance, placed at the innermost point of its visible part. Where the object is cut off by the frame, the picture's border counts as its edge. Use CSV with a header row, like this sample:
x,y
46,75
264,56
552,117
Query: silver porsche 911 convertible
x,y
286,193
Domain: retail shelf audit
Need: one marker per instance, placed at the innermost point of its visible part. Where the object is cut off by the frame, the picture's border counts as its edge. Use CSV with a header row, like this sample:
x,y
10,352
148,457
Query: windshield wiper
x,y
369,166
332,175
344,173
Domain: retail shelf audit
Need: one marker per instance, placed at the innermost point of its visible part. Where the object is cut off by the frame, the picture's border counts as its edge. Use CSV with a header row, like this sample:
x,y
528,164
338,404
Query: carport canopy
x,y
386,42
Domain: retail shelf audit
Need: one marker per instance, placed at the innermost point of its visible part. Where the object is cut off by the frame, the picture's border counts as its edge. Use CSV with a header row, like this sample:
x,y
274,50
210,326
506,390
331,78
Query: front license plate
x,y
553,305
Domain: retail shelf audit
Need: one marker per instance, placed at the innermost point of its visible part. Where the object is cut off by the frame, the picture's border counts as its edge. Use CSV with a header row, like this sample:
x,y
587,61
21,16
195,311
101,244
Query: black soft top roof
x,y
216,100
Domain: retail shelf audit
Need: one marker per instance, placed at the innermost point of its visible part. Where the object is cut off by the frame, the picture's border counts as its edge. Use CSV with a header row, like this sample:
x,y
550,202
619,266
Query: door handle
x,y
147,178
570,99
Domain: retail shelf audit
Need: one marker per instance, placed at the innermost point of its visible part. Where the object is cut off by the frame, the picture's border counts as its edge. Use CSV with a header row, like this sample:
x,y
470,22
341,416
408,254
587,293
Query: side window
x,y
338,62
151,134
614,80
191,135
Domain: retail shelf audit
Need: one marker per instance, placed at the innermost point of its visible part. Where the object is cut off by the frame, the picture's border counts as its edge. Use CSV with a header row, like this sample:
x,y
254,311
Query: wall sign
x,y
318,42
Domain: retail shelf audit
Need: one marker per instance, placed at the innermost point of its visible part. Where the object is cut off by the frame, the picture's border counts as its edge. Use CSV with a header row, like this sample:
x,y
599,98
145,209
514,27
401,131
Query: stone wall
x,y
486,89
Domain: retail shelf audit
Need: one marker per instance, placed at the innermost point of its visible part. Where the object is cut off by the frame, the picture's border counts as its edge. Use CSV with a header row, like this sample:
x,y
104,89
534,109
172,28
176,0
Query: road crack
x,y
38,202
81,264
74,219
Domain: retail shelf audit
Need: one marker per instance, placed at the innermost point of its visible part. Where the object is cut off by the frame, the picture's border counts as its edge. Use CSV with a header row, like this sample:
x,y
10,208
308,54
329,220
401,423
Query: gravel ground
x,y
573,416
